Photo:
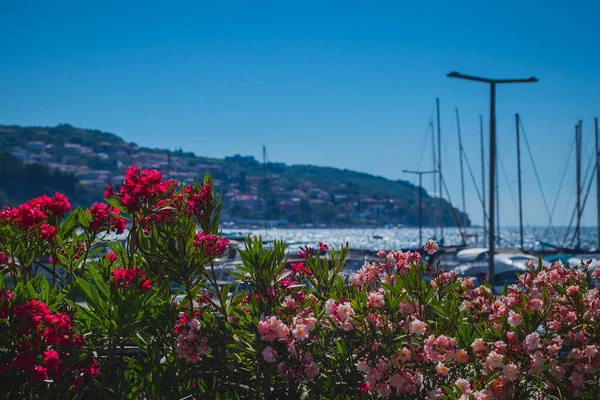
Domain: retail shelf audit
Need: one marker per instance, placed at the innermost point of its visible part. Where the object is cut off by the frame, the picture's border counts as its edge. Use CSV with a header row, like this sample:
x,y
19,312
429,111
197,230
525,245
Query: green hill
x,y
20,182
298,194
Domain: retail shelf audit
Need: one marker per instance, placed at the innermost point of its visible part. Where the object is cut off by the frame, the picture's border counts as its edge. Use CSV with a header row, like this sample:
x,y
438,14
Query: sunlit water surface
x,y
397,238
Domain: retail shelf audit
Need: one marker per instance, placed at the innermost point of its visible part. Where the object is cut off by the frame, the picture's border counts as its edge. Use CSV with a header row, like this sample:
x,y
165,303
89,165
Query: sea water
x,y
398,238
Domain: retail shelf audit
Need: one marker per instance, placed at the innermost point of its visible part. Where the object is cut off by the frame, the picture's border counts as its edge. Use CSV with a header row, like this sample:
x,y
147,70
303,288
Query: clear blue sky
x,y
348,84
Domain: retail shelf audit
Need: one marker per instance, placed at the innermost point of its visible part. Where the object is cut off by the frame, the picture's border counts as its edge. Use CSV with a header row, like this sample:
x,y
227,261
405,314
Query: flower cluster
x,y
374,272
36,211
191,345
131,277
105,217
199,203
291,338
140,186
397,328
43,344
212,245
431,247
299,268
341,313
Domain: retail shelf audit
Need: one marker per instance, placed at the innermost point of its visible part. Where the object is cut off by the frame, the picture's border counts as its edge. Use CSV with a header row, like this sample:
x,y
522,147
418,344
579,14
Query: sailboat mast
x,y
264,152
578,160
519,180
498,239
435,187
597,179
482,177
462,175
439,143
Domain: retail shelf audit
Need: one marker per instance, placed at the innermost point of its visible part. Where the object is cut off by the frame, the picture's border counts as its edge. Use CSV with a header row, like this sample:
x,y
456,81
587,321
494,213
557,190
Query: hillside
x,y
20,182
289,194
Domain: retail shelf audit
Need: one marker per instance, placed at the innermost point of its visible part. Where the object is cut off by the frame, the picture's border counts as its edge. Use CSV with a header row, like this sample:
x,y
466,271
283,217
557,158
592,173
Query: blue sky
x,y
344,84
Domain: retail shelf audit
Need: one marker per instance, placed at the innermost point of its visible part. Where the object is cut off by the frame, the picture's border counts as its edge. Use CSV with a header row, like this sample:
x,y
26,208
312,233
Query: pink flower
x,y
300,332
311,370
590,351
435,394
478,345
573,290
383,389
596,273
376,299
464,385
404,355
536,304
417,327
431,247
514,319
494,360
511,371
481,395
577,379
441,369
532,341
461,357
269,354
554,325
344,311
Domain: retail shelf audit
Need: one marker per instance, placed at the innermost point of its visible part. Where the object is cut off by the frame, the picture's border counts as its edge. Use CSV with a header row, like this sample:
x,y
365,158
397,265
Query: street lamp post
x,y
492,83
420,173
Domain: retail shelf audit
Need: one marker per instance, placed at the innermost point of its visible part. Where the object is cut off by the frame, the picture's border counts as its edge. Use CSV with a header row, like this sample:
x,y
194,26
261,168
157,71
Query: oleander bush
x,y
83,315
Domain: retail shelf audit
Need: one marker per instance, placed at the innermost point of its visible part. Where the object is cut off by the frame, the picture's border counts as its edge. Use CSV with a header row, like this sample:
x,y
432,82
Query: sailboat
x,y
573,255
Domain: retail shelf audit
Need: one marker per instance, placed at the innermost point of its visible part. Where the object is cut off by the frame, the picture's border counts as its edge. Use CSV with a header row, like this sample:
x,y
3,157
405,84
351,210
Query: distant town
x,y
254,193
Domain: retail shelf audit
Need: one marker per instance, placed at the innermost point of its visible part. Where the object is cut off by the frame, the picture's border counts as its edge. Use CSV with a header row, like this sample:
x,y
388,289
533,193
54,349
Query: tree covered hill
x,y
20,182
293,194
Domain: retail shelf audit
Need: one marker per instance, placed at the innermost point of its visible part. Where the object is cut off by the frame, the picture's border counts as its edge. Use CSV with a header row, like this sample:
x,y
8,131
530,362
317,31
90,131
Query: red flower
x,y
213,246
145,286
304,252
104,218
109,192
3,258
199,204
5,295
92,370
36,211
363,387
39,373
28,215
323,246
77,382
111,257
299,267
78,341
60,205
127,277
51,359
141,187
48,232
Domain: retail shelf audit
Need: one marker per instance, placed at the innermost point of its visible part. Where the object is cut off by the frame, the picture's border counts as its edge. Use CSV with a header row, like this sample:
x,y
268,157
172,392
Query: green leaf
x,y
439,311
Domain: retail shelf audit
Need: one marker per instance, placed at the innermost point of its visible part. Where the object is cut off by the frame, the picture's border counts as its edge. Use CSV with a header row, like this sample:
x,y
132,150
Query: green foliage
x,y
20,182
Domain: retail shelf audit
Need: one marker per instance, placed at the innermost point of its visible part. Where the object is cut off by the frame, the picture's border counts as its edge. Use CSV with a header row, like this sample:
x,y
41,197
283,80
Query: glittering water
x,y
396,238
